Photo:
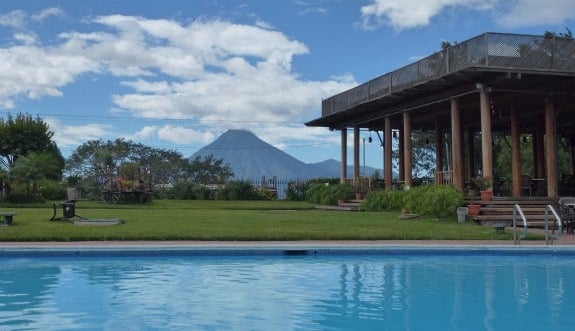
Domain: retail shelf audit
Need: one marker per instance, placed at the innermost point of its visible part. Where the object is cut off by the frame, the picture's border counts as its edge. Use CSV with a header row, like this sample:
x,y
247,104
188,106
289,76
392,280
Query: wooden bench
x,y
6,217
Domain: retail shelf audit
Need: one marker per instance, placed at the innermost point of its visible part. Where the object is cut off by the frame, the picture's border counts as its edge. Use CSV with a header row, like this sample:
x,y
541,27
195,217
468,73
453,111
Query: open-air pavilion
x,y
489,85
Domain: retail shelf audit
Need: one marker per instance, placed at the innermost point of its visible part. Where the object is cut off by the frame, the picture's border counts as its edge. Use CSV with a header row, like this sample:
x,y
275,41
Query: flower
x,y
483,183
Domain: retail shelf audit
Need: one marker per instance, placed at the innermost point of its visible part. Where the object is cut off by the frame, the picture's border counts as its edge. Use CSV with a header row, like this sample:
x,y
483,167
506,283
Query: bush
x,y
296,190
237,190
24,198
50,190
438,201
329,194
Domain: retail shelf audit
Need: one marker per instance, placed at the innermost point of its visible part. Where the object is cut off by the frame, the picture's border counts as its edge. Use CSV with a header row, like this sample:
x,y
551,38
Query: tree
x,y
96,160
208,170
28,171
22,135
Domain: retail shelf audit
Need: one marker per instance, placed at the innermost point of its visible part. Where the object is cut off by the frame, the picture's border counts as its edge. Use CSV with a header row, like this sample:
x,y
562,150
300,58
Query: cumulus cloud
x,y
521,13
67,135
209,71
409,14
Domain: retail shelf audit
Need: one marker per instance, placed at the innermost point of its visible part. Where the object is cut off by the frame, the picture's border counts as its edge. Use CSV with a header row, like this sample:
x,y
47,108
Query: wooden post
x,y
355,155
456,145
551,151
486,148
401,160
407,148
470,154
387,151
438,148
515,153
539,151
343,168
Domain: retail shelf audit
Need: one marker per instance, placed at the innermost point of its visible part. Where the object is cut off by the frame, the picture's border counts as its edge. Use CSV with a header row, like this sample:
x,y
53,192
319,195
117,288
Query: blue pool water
x,y
487,291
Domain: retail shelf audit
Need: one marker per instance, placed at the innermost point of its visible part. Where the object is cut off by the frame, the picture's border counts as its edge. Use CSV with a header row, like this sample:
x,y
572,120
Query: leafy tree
x,y
23,134
209,170
96,160
28,171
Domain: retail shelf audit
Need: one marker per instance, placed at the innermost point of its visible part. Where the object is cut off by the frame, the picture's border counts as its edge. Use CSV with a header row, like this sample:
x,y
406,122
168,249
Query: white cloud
x,y
409,14
46,13
14,19
69,135
209,71
536,12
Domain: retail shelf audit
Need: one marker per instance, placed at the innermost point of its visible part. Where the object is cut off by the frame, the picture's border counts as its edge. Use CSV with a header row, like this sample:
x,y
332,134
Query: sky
x,y
176,74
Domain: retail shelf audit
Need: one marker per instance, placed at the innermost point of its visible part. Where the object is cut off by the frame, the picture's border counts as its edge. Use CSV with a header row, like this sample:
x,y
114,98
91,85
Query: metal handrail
x,y
560,230
517,209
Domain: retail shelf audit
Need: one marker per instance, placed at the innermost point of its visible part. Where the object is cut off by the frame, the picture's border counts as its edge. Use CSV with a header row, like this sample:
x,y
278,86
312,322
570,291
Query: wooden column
x,y
355,155
539,151
551,166
401,160
407,148
456,146
343,169
515,153
486,148
470,154
387,151
438,148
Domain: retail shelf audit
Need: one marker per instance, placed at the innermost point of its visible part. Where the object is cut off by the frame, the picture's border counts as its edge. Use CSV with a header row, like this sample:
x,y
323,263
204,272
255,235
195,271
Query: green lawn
x,y
231,220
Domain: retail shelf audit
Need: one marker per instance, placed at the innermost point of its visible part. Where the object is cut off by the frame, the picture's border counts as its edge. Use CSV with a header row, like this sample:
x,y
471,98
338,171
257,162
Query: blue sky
x,y
176,74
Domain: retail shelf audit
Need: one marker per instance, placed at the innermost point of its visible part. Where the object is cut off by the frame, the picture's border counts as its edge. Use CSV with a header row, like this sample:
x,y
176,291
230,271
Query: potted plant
x,y
73,191
485,187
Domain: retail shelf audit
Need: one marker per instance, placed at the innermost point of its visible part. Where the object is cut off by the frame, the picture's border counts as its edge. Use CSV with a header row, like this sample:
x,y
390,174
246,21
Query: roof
x,y
516,69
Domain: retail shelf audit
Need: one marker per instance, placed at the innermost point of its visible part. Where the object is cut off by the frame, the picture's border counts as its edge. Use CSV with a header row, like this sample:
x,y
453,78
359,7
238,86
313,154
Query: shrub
x,y
296,190
438,201
329,194
50,190
24,198
237,190
183,191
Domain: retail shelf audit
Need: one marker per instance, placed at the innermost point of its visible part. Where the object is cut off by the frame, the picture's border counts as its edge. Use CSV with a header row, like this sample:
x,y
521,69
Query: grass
x,y
232,220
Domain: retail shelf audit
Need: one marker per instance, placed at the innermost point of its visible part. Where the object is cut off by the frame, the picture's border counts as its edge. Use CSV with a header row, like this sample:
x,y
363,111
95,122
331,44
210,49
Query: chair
x,y
567,213
526,185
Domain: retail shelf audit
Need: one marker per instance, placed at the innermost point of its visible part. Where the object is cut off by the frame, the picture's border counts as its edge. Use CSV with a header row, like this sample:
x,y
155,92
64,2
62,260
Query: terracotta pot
x,y
486,196
473,210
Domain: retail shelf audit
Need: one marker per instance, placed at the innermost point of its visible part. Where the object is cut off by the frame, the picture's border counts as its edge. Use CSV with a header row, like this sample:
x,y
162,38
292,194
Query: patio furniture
x,y
567,213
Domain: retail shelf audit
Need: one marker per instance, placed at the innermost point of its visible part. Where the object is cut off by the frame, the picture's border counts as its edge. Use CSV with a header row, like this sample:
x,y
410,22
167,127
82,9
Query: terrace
x,y
492,84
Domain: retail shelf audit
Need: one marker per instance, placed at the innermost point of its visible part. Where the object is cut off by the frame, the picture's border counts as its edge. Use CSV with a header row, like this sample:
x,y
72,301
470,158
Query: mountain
x,y
332,167
251,158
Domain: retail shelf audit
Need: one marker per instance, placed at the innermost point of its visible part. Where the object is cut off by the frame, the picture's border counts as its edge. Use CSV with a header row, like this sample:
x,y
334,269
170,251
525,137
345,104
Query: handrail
x,y
560,230
516,209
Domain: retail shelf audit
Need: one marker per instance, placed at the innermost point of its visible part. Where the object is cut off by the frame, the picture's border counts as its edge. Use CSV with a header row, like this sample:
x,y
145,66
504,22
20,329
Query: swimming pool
x,y
293,289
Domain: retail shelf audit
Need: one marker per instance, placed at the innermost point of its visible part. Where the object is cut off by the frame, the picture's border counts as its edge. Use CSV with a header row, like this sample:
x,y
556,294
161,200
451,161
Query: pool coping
x,y
158,248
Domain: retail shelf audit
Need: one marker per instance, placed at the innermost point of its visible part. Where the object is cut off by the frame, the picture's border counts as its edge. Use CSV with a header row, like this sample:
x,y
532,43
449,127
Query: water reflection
x,y
313,292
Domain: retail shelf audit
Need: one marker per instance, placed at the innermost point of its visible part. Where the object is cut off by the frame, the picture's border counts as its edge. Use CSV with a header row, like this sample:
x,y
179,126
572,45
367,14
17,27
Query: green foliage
x,y
23,134
329,194
438,201
296,190
24,198
189,191
209,170
51,190
28,171
237,190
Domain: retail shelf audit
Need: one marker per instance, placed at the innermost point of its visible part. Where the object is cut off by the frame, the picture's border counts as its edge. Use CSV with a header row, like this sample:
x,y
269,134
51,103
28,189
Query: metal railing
x,y
517,239
549,240
490,50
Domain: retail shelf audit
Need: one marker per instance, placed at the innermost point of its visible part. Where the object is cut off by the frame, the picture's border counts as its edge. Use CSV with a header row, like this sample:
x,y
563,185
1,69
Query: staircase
x,y
500,211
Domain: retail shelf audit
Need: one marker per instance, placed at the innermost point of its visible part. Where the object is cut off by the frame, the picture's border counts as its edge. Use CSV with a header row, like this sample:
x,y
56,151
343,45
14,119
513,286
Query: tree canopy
x,y
23,134
98,159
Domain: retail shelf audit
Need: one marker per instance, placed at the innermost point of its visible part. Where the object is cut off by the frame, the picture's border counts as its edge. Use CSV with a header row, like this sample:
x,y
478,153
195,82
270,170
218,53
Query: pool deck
x,y
567,240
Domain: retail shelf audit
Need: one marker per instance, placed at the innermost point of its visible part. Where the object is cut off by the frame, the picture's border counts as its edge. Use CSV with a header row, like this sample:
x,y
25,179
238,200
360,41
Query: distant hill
x,y
251,158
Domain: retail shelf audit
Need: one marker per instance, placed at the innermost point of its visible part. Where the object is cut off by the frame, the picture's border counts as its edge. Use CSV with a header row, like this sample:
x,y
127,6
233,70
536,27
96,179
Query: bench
x,y
6,217
68,209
